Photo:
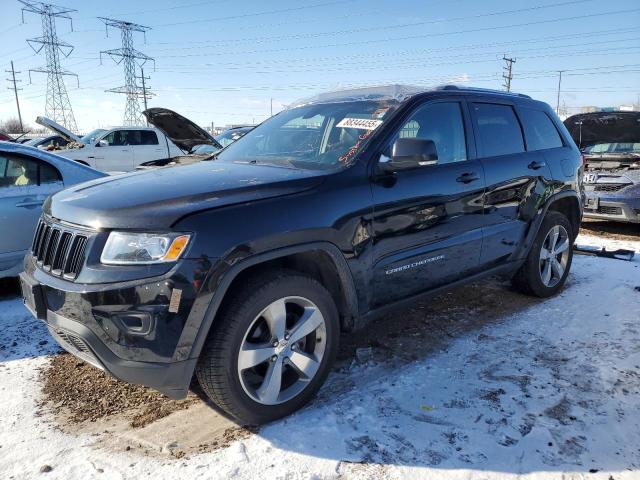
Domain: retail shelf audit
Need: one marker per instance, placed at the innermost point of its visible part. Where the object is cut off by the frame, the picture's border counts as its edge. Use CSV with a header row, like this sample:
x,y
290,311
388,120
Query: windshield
x,y
33,141
316,137
92,136
204,149
230,136
613,148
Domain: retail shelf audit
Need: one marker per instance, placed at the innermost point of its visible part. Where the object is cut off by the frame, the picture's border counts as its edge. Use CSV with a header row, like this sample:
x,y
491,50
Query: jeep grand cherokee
x,y
245,268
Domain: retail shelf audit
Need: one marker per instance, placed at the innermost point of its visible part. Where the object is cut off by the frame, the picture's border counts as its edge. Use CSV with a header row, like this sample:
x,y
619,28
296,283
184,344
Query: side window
x,y
117,138
499,131
444,125
539,130
18,171
49,174
148,137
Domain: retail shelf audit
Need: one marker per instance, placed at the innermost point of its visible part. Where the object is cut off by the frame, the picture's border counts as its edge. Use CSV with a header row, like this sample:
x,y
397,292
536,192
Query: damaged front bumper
x,y
131,330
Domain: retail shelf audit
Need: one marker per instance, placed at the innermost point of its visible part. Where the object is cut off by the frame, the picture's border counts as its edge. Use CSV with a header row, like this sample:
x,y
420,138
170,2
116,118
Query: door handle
x,y
468,177
30,203
536,165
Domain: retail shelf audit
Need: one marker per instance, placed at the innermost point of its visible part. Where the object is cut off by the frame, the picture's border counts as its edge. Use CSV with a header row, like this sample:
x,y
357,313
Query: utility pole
x,y
508,74
272,107
559,85
57,106
145,93
129,57
15,91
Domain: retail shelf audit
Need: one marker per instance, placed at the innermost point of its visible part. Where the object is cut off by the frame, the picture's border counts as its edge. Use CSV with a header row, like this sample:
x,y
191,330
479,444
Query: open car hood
x,y
180,130
59,129
604,127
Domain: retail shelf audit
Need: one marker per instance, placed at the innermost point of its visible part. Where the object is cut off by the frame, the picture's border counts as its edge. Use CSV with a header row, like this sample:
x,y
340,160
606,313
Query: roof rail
x,y
480,90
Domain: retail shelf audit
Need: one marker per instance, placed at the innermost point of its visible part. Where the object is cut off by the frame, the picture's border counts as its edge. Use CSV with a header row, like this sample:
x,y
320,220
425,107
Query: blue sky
x,y
223,61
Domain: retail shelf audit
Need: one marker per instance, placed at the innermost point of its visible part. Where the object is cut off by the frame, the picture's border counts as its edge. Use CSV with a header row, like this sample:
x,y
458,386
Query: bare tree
x,y
11,125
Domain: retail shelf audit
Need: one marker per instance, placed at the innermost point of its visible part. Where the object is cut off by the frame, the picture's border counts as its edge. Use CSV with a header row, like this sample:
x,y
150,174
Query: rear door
x,y
428,221
146,146
517,181
25,183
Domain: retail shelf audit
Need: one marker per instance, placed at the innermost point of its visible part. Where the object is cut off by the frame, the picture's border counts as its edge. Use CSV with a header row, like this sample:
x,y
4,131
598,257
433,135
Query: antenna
x,y
130,58
57,106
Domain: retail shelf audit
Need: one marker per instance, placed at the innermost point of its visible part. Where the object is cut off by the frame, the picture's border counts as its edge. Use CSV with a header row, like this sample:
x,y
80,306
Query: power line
x,y
57,105
15,91
129,57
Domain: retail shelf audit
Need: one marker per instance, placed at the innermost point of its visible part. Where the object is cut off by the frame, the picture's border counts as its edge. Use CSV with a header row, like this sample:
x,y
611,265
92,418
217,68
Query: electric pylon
x,y
130,58
57,105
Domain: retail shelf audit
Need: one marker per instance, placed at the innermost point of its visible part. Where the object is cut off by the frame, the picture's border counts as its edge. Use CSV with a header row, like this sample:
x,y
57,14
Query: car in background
x,y
190,137
27,177
610,144
119,149
52,142
5,138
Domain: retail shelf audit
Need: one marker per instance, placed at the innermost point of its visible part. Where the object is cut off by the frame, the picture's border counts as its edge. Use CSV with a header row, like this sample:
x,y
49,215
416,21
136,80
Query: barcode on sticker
x,y
361,123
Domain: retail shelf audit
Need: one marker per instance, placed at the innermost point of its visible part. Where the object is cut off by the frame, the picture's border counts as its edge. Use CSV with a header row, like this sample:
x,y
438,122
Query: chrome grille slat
x,y
59,250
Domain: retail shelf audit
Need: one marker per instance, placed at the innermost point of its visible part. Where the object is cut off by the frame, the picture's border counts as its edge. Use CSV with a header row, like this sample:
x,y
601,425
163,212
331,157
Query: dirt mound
x,y
81,393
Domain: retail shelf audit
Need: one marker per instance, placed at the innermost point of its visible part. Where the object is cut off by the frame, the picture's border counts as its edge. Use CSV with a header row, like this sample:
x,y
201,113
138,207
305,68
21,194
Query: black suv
x,y
245,268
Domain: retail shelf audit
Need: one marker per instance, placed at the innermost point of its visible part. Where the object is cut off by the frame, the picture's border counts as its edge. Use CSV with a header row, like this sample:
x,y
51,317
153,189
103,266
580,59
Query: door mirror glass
x,y
102,143
408,153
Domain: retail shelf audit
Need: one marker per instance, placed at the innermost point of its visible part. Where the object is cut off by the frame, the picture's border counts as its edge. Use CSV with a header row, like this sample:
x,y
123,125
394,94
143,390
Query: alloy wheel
x,y
282,350
554,256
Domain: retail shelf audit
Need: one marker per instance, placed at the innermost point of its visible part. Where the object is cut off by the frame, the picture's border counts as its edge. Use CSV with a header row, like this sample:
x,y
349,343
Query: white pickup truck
x,y
119,149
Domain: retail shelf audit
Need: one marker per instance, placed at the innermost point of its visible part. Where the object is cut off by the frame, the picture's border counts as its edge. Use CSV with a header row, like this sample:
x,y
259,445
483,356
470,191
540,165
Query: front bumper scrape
x,y
171,379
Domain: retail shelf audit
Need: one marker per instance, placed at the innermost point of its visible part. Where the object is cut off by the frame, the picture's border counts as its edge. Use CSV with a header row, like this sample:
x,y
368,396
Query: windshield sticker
x,y
353,150
361,123
379,113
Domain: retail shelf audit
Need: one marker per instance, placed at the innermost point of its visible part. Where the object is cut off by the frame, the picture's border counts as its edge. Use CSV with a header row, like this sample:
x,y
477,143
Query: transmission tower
x,y
57,106
508,75
130,58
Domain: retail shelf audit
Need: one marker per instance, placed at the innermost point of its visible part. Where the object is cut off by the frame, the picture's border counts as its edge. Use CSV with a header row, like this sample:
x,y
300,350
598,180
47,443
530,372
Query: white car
x,y
119,149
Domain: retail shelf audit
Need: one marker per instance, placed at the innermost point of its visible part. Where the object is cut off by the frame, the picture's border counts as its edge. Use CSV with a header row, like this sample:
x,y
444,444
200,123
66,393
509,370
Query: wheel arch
x,y
320,260
566,202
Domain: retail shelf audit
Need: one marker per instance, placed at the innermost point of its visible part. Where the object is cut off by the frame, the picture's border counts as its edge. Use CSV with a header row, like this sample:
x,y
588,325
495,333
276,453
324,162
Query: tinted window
x,y
498,129
145,137
539,130
442,123
49,174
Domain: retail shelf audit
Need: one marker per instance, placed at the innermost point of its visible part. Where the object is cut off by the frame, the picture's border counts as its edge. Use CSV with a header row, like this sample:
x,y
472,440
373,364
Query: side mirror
x,y
408,153
102,143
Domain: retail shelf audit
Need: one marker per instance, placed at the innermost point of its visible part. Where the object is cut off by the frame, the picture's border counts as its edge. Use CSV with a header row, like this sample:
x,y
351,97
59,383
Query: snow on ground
x,y
550,392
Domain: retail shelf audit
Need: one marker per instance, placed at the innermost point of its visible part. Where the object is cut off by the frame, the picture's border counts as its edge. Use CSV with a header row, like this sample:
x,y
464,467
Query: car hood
x,y
59,129
180,130
589,129
156,199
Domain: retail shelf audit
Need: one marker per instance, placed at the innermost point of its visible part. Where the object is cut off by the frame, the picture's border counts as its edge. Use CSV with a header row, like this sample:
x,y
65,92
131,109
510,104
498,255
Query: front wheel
x,y
546,268
271,348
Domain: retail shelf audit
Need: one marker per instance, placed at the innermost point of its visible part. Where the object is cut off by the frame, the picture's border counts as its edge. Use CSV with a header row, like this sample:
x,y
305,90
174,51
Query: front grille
x,y
58,250
610,210
610,187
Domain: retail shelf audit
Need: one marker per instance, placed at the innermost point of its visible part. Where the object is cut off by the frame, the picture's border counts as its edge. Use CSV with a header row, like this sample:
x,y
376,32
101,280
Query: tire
x,y
532,275
251,320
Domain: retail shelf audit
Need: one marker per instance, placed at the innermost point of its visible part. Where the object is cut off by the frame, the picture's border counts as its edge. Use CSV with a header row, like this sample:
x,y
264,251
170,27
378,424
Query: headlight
x,y
123,248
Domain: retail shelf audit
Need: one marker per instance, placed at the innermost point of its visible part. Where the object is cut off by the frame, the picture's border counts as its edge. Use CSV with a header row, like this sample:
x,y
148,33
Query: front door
x,y
117,155
25,184
428,221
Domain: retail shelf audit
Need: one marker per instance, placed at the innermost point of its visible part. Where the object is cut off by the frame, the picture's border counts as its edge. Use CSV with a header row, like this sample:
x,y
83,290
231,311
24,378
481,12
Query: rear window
x,y
539,130
498,129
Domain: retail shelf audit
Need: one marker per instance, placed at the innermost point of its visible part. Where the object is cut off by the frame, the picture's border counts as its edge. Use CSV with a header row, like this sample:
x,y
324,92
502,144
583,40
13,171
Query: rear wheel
x,y
546,268
271,348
